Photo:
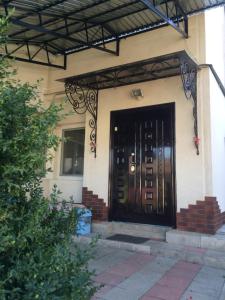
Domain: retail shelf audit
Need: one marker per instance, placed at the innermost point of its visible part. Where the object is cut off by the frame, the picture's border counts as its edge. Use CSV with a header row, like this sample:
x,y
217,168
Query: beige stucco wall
x,y
190,171
27,72
193,173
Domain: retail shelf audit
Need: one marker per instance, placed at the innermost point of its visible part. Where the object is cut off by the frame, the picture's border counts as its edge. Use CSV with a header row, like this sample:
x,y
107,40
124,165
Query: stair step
x,y
142,248
141,230
199,240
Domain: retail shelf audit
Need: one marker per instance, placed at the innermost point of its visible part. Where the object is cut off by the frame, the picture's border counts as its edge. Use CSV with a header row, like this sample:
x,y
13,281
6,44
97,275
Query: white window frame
x,y
61,174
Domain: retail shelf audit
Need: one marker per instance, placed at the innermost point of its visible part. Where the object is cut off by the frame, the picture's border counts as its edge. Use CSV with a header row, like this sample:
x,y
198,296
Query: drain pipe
x,y
219,82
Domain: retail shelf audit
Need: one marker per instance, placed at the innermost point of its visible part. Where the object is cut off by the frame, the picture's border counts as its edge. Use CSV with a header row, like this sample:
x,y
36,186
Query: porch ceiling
x,y
65,26
140,71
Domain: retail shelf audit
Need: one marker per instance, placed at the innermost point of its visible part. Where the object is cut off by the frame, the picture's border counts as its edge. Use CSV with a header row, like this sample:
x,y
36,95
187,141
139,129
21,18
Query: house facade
x,y
145,133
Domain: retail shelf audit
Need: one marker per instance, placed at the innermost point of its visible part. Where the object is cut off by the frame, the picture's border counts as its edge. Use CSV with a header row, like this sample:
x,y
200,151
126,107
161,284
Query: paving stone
x,y
131,264
196,296
99,252
109,278
222,294
133,276
171,280
174,282
159,266
187,267
118,294
138,284
149,298
203,289
107,261
164,292
103,290
207,284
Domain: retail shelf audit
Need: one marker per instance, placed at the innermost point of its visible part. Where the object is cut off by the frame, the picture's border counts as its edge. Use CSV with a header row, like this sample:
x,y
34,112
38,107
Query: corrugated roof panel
x,y
118,18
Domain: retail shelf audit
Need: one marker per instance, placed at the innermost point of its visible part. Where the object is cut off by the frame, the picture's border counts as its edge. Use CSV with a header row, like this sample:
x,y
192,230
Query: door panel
x,y
142,165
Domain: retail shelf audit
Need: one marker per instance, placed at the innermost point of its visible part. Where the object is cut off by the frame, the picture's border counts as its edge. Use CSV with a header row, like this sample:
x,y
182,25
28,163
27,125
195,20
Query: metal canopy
x,y
145,70
61,27
82,90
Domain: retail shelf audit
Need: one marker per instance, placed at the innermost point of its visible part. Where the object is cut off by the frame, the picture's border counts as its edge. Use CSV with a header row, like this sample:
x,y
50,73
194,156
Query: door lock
x,y
132,168
132,164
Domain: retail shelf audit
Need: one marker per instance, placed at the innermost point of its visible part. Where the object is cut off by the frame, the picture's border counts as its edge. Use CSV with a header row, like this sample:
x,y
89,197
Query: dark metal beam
x,y
36,61
57,50
32,53
169,21
58,35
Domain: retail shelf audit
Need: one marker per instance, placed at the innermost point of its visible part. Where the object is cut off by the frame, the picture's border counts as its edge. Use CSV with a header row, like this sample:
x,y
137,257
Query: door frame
x,y
170,106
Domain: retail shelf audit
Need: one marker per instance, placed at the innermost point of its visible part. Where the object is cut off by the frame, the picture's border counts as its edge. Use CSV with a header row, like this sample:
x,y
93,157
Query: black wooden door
x,y
142,177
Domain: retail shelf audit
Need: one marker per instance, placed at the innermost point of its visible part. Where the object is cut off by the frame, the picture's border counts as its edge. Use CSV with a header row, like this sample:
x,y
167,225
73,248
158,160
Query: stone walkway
x,y
128,275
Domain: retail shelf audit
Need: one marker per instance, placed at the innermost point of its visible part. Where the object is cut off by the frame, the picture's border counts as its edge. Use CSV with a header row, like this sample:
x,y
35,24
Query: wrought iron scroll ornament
x,y
83,99
189,80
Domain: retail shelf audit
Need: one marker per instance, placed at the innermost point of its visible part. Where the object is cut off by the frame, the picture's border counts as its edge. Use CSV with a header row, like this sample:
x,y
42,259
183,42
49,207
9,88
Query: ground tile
x,y
222,294
203,289
174,281
149,298
159,265
137,285
187,266
109,278
165,292
103,290
119,294
196,296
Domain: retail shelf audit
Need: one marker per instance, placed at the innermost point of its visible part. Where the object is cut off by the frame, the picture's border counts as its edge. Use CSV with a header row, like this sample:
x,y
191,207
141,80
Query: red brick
x,y
204,217
97,205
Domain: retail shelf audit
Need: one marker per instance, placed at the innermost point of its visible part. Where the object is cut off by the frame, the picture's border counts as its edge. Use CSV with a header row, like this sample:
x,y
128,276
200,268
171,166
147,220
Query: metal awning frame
x,y
47,14
82,90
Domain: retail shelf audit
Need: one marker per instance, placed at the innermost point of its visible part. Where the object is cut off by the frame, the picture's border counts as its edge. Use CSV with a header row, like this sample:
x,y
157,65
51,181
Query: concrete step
x,y
140,230
101,241
199,240
206,257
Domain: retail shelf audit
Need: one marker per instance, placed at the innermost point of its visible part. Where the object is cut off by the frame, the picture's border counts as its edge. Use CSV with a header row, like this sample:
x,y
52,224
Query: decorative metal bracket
x,y
84,98
189,80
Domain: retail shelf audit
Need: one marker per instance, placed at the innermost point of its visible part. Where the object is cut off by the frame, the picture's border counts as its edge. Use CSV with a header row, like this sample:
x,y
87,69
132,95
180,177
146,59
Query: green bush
x,y
36,261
